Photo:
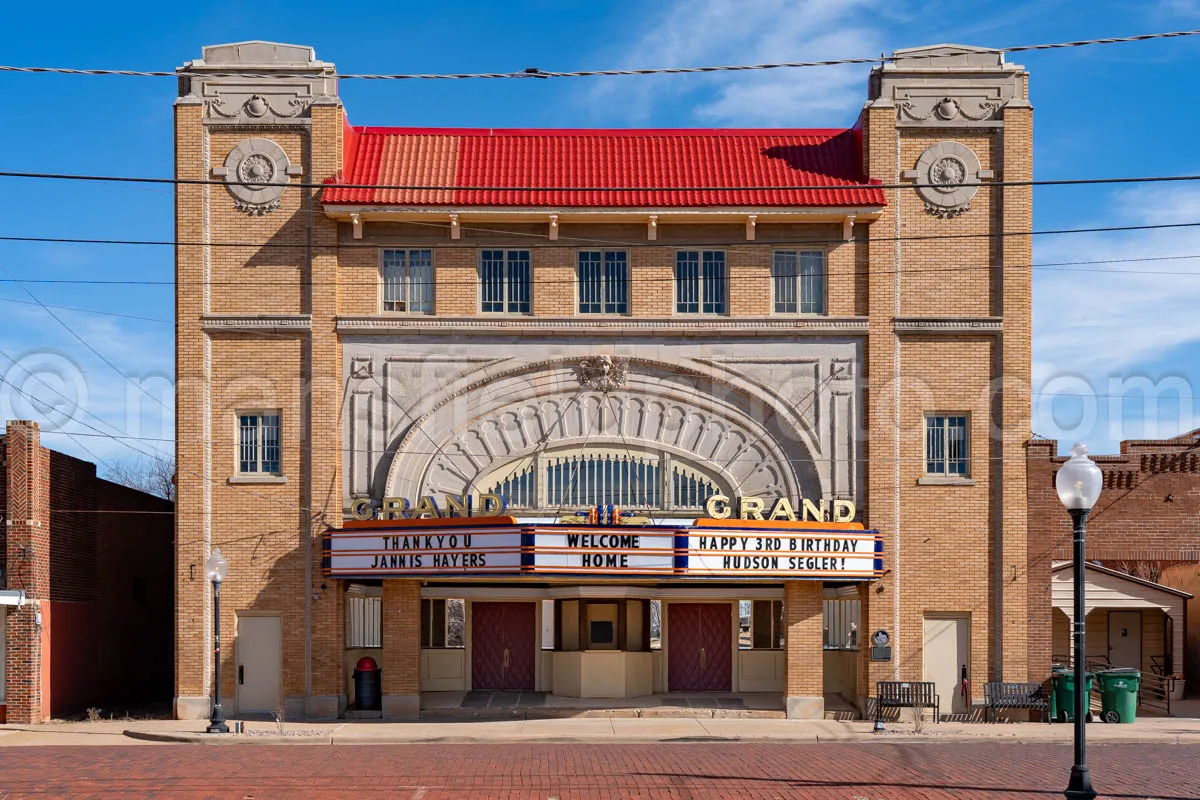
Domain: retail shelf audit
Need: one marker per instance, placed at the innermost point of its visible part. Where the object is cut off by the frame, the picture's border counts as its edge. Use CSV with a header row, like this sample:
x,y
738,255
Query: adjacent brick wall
x,y
1148,514
97,644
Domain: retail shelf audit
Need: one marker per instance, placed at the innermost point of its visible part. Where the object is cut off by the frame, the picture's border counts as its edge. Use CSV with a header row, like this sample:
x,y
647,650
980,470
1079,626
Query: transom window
x,y
505,277
799,281
603,282
408,280
700,282
946,445
258,444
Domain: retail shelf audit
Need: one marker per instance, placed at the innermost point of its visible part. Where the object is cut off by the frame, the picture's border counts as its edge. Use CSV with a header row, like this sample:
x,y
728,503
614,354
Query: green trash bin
x,y
1064,695
1118,694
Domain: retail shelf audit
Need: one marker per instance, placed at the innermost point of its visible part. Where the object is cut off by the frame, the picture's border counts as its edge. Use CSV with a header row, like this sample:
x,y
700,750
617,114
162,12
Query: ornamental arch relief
x,y
771,419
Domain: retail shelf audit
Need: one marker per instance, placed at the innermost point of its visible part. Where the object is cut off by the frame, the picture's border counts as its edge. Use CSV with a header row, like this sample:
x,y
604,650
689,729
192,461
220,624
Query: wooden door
x,y
699,647
503,646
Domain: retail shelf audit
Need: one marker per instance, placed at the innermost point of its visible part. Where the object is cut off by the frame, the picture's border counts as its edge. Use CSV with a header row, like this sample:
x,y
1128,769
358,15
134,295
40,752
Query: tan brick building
x,y
556,321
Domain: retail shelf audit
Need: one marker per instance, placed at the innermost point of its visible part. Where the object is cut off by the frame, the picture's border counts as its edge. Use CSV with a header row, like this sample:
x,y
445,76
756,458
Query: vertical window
x,y
258,444
799,281
761,624
505,278
364,616
946,445
603,282
841,617
443,623
408,280
700,282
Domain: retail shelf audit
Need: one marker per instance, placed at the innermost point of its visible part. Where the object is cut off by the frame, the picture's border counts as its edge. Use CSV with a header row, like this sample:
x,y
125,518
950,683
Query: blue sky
x,y
1101,111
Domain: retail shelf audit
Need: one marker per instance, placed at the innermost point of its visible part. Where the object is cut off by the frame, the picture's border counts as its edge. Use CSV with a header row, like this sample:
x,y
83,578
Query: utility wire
x,y
815,187
534,72
79,310
597,244
219,442
86,344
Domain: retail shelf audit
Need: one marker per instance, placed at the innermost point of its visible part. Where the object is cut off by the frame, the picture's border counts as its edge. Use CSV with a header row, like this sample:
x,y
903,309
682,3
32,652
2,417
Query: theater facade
x,y
601,414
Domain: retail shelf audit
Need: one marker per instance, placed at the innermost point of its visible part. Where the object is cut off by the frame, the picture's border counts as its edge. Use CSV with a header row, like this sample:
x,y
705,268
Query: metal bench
x,y
907,694
1016,695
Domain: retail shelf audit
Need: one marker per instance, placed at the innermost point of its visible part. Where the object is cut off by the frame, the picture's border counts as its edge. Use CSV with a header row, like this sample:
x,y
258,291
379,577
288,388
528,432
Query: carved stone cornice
x,y
949,325
257,323
666,326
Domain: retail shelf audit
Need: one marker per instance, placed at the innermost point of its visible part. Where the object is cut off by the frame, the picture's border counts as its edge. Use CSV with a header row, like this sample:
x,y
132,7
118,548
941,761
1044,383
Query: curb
x,y
330,738
222,739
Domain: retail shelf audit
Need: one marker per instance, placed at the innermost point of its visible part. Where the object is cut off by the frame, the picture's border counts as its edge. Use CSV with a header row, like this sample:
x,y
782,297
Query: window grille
x,y
258,444
603,282
505,277
602,479
518,488
946,445
799,281
700,282
364,616
690,489
841,618
408,280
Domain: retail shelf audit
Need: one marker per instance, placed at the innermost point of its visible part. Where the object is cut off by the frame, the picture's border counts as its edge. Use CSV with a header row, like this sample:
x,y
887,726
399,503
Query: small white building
x,y
1130,622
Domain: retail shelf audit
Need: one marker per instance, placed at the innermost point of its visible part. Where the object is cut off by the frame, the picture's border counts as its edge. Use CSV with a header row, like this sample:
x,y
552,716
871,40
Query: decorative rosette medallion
x,y
256,172
945,174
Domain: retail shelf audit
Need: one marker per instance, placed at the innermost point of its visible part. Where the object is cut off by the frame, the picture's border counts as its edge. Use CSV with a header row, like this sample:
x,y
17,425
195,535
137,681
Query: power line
x,y
855,187
393,452
600,243
534,72
86,310
86,344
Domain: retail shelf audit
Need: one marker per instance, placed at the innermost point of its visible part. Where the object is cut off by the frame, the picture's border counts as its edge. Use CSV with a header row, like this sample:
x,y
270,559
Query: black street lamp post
x,y
1078,483
216,567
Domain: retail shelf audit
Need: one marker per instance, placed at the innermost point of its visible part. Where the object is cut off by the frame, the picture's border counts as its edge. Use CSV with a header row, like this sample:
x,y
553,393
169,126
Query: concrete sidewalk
x,y
1164,730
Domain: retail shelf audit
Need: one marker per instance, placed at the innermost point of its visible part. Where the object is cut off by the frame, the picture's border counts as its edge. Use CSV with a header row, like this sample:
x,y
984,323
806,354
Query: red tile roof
x,y
581,168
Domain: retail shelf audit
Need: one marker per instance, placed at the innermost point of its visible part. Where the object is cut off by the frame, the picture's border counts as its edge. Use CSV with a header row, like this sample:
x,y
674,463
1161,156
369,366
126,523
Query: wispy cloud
x,y
1100,329
690,33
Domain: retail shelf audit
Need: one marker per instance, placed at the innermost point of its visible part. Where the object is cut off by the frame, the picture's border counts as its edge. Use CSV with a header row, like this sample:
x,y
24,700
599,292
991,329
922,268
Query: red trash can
x,y
368,695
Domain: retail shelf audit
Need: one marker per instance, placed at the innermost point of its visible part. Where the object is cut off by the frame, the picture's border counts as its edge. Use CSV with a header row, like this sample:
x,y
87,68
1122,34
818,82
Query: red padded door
x,y
699,647
503,646
716,647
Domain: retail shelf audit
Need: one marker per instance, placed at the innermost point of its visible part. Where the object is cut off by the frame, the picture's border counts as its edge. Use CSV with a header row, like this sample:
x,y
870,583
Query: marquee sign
x,y
590,551
710,548
734,552
402,552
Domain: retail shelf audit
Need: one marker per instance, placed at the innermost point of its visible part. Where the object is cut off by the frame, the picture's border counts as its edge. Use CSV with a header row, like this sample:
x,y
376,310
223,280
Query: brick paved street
x,y
569,771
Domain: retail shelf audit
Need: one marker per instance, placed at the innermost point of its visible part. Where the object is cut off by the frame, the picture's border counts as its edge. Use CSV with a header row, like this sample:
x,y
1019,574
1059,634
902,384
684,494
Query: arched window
x,y
581,478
